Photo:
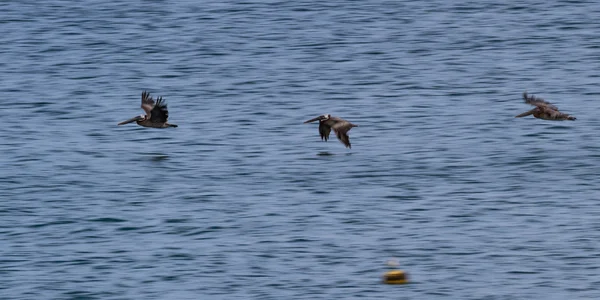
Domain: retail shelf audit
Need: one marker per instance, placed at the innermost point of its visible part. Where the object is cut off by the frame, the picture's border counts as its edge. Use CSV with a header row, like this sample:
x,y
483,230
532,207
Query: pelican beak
x,y
312,120
136,118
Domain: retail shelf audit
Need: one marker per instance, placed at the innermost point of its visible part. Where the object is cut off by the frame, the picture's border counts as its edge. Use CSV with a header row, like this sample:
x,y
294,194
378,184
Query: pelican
x,y
339,126
544,110
156,113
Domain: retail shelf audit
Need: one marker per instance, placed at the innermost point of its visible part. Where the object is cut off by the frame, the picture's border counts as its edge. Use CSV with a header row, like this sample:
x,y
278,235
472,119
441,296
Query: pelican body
x,y
156,113
339,126
544,110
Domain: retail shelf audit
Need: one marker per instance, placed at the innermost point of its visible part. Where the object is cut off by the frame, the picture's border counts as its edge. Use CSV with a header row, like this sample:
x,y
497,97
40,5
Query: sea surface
x,y
244,201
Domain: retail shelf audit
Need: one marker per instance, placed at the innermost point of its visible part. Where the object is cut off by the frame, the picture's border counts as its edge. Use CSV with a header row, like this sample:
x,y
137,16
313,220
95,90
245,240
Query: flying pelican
x,y
544,110
339,126
156,113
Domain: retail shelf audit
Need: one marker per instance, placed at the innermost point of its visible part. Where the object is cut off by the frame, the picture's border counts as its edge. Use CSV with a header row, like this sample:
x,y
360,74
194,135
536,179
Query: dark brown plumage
x,y
156,113
544,110
339,126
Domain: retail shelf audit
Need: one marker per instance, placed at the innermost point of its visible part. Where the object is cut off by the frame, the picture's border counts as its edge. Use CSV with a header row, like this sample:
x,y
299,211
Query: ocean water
x,y
244,201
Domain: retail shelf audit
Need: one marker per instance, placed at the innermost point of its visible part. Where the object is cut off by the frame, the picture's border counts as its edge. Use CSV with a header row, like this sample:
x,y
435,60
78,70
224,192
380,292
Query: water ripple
x,y
244,200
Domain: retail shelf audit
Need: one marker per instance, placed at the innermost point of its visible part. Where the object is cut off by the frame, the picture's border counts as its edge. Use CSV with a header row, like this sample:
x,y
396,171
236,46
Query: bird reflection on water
x,y
324,153
158,158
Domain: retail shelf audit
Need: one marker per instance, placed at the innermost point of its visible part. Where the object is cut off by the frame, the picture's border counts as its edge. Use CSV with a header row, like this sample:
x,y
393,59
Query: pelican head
x,y
134,119
324,117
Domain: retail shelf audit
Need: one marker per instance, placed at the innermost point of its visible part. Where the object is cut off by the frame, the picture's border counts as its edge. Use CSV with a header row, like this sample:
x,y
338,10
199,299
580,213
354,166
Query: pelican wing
x,y
539,102
341,128
553,114
147,103
159,113
324,130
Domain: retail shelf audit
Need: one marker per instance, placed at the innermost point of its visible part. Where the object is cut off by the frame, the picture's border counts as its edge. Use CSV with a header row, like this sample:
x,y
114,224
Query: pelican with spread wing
x,y
339,126
156,113
544,110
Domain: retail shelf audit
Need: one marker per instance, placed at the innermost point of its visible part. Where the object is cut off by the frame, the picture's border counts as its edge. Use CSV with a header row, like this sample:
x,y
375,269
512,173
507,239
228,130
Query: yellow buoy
x,y
395,277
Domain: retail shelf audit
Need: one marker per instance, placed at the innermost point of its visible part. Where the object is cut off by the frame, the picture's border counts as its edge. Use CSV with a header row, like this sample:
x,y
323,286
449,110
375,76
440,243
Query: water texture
x,y
244,201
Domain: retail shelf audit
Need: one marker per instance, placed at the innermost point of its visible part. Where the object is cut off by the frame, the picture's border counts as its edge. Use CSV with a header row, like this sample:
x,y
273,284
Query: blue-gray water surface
x,y
244,201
